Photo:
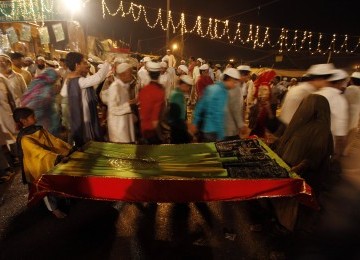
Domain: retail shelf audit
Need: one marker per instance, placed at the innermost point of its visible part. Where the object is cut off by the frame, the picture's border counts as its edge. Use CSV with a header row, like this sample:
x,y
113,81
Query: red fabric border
x,y
169,190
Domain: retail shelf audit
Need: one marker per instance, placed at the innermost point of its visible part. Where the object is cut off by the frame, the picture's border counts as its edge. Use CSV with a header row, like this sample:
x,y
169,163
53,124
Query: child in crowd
x,y
39,151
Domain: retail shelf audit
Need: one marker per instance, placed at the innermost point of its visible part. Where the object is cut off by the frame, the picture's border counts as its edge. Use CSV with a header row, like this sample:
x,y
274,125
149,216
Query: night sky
x,y
326,16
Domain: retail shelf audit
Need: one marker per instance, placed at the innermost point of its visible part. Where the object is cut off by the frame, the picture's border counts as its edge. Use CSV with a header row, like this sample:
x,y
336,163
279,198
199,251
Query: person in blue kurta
x,y
177,111
209,114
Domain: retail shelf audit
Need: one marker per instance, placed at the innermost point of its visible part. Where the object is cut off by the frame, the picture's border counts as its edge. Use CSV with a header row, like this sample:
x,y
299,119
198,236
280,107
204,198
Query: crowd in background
x,y
310,122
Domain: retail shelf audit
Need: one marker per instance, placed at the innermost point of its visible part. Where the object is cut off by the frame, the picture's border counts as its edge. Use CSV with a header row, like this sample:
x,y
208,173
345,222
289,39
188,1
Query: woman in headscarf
x,y
41,97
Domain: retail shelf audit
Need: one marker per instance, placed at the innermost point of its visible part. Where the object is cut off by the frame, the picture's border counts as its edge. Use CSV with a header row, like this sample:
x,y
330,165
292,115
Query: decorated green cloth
x,y
199,160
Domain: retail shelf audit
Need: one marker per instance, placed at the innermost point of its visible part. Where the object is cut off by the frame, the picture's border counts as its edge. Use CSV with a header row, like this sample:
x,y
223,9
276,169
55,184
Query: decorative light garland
x,y
256,37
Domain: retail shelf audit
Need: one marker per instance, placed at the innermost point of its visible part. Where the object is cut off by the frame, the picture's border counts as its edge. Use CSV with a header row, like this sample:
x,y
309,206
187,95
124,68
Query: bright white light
x,y
73,6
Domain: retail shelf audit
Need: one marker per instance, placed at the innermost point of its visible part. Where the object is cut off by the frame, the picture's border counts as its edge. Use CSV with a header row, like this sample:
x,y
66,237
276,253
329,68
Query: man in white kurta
x,y
339,109
143,74
170,58
120,118
166,79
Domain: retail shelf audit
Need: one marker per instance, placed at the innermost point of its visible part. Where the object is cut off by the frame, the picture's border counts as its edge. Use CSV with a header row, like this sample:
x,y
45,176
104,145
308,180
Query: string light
x,y
288,40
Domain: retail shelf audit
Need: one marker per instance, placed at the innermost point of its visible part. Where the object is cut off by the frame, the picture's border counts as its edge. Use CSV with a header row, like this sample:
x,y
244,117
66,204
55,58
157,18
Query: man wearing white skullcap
x,y
203,81
170,58
151,105
143,75
209,114
352,94
339,108
177,111
182,70
166,79
120,119
318,78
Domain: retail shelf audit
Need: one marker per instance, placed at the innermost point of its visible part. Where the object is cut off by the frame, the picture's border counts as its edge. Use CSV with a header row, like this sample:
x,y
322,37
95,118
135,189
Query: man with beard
x,y
40,65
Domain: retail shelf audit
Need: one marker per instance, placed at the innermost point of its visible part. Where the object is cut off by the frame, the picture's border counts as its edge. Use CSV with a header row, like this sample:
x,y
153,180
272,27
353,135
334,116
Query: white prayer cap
x,y
200,59
321,69
204,67
5,56
153,66
293,79
122,67
338,74
28,59
187,79
146,59
183,68
218,65
119,60
163,64
41,58
168,50
356,75
182,62
51,63
231,72
243,67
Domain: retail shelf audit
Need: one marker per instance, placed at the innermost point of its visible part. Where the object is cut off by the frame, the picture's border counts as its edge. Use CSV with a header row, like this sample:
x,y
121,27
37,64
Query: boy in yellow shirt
x,y
39,151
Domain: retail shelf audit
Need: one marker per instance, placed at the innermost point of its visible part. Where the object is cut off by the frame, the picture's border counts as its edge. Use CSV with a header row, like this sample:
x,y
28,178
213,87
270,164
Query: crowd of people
x,y
49,109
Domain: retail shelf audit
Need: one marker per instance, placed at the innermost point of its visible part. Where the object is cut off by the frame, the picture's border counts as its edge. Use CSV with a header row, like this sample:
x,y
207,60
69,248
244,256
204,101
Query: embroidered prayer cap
x,y
243,67
232,72
163,64
338,74
183,68
153,66
356,75
204,67
122,67
321,69
187,79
